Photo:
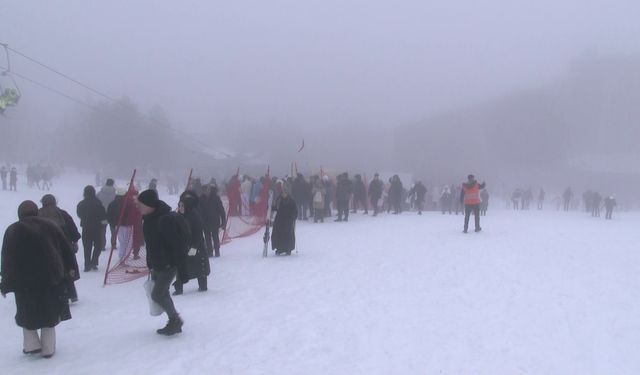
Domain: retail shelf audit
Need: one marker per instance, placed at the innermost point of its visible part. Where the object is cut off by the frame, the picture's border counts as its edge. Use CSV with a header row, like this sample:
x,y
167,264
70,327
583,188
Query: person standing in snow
x,y
59,216
566,197
300,195
541,195
3,175
283,237
196,261
106,195
130,230
484,205
166,235
36,259
359,195
214,218
319,194
418,191
445,200
92,217
13,179
344,188
395,194
609,204
470,197
375,193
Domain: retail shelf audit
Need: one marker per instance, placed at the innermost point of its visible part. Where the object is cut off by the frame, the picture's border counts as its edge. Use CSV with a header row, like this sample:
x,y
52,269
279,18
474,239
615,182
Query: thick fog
x,y
521,93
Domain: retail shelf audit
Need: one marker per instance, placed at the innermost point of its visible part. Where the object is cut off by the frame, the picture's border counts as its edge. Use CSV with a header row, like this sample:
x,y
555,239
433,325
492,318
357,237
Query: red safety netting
x,y
246,212
246,215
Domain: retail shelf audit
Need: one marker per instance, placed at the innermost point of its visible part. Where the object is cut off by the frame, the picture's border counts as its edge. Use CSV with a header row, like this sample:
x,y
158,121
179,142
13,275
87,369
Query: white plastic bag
x,y
154,308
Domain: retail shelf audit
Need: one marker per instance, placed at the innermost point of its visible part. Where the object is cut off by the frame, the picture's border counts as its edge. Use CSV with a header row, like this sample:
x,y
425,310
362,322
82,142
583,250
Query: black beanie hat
x,y
149,198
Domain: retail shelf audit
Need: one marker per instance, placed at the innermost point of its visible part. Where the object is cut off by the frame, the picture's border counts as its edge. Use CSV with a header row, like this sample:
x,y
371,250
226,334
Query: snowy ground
x,y
534,293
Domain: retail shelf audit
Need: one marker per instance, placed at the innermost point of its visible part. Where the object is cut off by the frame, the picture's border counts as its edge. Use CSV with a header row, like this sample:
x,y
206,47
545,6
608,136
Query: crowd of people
x,y
10,173
38,255
37,175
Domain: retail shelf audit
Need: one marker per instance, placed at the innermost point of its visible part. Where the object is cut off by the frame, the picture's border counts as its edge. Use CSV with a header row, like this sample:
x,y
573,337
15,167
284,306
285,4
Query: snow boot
x,y
174,325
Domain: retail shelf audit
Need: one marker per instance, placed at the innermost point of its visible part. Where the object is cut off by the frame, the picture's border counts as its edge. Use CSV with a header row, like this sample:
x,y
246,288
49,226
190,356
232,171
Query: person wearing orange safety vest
x,y
470,197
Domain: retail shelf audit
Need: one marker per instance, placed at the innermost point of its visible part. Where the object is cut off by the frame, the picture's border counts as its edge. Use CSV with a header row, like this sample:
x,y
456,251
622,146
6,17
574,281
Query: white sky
x,y
305,63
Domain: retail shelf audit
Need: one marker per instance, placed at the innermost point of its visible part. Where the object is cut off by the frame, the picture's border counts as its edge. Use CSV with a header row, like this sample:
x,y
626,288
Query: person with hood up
x,y
92,217
195,264
51,211
36,260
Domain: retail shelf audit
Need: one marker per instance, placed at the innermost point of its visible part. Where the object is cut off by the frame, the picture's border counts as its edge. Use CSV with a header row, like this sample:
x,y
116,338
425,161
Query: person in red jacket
x,y
470,197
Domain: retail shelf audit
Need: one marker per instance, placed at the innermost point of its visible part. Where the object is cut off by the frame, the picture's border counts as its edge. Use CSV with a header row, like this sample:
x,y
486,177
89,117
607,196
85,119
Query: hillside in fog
x,y
582,126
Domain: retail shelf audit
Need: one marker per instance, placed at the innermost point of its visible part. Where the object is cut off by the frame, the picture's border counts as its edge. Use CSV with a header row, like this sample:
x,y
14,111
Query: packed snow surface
x,y
536,292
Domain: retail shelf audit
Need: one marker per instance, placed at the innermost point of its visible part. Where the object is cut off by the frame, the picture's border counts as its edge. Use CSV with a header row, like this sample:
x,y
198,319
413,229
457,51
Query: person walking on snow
x,y
36,260
166,235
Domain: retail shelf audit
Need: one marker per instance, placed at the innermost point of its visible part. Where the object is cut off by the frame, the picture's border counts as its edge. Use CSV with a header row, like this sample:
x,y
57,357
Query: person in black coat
x,y
484,196
359,195
214,218
166,235
375,192
609,204
59,216
36,259
344,189
13,179
419,190
196,261
395,194
3,176
92,217
283,237
300,195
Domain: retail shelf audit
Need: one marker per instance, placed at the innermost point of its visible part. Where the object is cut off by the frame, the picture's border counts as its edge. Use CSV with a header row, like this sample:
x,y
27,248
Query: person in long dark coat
x,y
36,259
196,261
420,191
375,193
92,217
214,218
283,237
51,211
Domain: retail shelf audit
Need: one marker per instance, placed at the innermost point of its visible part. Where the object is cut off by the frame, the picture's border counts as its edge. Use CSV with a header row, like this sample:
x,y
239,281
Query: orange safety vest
x,y
471,194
